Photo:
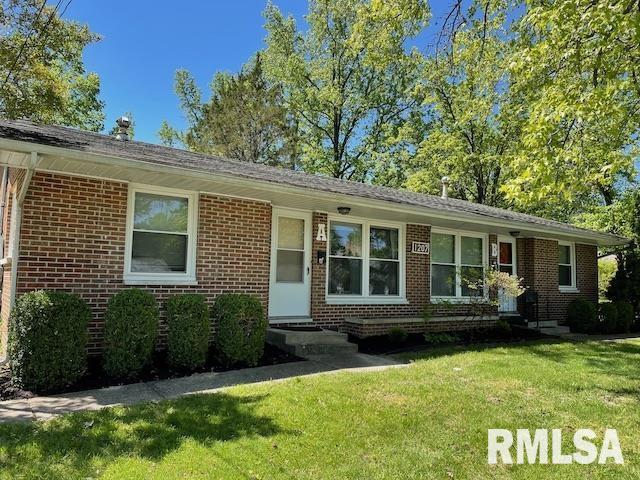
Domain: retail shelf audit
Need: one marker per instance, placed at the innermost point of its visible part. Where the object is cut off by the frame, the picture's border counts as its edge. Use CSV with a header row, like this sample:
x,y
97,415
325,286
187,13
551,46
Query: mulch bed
x,y
159,370
382,344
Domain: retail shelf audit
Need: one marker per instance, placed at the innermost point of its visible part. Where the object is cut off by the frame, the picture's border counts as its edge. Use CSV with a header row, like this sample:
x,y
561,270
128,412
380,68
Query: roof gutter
x,y
18,145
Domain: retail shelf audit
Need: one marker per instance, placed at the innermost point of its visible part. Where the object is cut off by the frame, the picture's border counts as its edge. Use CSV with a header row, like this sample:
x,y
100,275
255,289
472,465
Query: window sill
x,y
461,300
351,300
168,281
569,289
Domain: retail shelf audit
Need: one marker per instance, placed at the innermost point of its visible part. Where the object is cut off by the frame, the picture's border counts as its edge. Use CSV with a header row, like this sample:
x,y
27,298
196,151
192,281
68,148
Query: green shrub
x,y
625,317
502,329
397,335
440,338
609,313
240,329
582,317
189,329
48,340
130,329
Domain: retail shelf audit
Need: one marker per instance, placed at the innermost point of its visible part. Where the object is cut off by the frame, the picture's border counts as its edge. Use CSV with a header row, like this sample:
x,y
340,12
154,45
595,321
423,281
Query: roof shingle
x,y
94,143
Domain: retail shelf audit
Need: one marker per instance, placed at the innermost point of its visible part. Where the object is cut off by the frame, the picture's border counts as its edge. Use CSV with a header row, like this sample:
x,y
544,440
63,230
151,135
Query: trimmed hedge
x,y
130,329
48,340
241,328
189,330
625,317
582,316
609,313
397,335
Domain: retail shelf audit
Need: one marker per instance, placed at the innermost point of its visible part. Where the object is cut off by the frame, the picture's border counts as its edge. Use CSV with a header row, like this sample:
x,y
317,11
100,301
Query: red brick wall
x,y
436,325
73,238
538,265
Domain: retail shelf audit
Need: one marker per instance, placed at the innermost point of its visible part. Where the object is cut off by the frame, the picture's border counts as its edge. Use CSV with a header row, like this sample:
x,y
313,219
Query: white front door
x,y
290,285
507,263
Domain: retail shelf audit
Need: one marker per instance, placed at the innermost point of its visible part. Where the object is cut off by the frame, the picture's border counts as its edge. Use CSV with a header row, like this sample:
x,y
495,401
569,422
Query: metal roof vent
x,y
445,187
123,129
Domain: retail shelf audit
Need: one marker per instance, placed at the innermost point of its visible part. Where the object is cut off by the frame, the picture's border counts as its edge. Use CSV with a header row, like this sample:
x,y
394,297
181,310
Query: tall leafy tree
x,y
625,285
244,118
42,75
578,66
346,78
470,125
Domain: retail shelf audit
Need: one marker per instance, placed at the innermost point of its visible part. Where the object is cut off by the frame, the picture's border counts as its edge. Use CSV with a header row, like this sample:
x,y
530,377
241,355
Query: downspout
x,y
3,196
15,247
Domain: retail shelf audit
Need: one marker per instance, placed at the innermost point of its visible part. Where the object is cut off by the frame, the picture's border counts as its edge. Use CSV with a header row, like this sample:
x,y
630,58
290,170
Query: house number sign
x,y
420,247
322,233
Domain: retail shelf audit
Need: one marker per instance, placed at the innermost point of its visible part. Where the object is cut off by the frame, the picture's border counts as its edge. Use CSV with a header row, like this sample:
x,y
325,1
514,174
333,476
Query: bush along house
x,y
93,214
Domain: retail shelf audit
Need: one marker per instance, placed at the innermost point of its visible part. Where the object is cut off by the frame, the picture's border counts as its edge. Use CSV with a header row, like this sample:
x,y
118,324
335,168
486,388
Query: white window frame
x,y
366,298
572,256
158,278
457,234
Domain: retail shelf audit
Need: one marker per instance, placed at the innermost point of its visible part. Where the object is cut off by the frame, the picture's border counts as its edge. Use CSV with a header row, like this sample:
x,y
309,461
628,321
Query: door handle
x,y
308,270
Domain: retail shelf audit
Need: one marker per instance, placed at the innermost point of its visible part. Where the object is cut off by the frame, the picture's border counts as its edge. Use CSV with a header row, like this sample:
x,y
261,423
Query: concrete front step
x,y
542,324
555,331
304,343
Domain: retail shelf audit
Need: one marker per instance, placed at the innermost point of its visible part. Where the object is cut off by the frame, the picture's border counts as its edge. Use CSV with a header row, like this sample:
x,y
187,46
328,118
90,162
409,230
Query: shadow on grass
x,y
149,431
612,358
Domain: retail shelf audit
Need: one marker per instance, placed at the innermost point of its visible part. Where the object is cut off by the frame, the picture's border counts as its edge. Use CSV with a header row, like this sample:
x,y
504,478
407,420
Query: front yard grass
x,y
428,420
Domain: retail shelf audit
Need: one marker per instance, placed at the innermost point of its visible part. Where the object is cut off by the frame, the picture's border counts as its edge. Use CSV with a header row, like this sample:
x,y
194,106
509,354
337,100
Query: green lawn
x,y
429,420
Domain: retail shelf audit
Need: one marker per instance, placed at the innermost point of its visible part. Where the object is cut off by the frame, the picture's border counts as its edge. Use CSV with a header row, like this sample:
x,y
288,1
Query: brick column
x,y
418,267
319,271
493,260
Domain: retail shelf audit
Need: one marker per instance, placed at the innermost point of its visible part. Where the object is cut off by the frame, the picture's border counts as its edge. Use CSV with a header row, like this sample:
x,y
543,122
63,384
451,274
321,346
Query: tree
x,y
42,76
470,124
625,285
577,66
346,78
244,119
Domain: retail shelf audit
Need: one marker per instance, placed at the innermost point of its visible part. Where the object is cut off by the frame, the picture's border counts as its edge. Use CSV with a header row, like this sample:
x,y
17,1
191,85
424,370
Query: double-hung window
x,y
365,262
457,264
566,266
161,236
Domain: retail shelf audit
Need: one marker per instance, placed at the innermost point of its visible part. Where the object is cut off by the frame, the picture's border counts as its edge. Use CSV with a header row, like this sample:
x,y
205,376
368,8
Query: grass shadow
x,y
149,431
618,358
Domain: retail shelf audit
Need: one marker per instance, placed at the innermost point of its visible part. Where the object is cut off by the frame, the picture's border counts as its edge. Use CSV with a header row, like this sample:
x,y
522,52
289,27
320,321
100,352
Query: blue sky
x,y
144,42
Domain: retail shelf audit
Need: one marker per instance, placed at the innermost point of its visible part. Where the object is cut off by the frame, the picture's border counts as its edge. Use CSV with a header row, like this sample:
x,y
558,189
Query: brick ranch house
x,y
91,214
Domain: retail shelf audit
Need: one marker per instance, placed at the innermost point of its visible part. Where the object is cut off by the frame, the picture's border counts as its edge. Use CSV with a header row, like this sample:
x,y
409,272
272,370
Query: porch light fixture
x,y
344,210
514,234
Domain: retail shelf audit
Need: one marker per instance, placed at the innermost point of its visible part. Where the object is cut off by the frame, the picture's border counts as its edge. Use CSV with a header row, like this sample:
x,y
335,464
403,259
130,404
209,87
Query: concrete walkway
x,y
44,408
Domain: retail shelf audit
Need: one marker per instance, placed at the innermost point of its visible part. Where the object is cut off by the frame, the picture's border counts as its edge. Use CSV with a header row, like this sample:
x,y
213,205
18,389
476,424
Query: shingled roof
x,y
106,145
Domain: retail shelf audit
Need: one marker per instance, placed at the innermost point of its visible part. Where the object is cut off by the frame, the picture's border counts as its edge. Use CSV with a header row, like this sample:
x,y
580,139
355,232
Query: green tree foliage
x,y
577,68
42,76
607,268
471,129
244,119
625,285
346,78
